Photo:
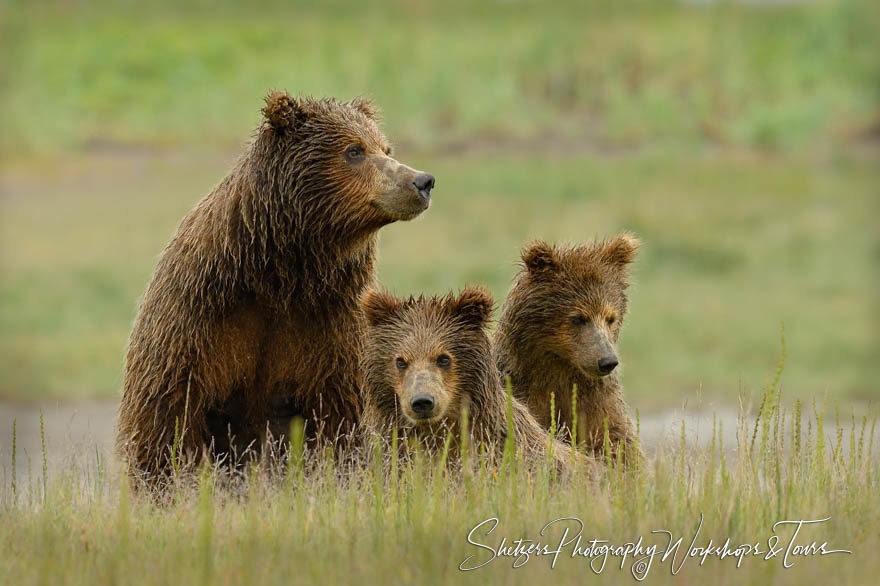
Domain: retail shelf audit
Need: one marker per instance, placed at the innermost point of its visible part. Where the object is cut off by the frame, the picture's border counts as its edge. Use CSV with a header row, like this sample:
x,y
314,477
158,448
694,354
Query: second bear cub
x,y
559,329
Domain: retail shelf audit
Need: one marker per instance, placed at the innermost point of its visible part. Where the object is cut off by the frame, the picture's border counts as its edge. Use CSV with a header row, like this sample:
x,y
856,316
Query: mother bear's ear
x,y
473,305
379,306
366,107
282,112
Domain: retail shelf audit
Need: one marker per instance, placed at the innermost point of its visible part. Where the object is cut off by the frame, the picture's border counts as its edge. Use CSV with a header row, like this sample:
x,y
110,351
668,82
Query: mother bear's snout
x,y
424,183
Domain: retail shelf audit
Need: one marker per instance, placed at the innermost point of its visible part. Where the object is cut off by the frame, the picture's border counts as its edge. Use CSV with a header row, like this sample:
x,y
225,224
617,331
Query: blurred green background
x,y
741,141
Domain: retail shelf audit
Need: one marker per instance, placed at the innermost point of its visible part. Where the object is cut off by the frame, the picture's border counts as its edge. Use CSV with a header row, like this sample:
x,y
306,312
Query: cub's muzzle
x,y
423,396
606,364
422,404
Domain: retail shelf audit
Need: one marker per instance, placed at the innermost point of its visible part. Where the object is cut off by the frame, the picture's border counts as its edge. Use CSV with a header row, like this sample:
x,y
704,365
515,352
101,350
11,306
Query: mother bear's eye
x,y
401,364
443,361
354,153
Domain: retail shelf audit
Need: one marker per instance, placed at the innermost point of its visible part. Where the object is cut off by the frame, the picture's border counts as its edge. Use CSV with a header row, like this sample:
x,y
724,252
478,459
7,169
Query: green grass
x,y
612,74
385,520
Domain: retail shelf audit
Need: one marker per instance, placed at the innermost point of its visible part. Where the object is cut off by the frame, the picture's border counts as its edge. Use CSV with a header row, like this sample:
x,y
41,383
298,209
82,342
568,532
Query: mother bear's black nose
x,y
424,183
422,404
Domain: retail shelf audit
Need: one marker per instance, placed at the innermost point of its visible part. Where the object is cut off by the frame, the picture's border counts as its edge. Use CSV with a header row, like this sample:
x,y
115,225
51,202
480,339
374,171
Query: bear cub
x,y
559,329
426,359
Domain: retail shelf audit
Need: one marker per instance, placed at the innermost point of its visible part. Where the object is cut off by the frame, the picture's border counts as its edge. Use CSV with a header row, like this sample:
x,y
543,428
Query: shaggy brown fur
x,y
252,314
559,324
437,350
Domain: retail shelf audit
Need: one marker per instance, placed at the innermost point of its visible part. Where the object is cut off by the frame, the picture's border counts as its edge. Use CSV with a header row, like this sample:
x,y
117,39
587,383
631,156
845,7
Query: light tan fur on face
x,y
424,376
389,183
396,194
588,344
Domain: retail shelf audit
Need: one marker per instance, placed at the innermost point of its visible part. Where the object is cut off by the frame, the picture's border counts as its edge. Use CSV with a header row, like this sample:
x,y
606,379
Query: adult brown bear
x,y
253,308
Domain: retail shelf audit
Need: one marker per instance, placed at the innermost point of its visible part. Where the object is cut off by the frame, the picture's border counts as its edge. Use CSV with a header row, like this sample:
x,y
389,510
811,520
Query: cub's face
x,y
425,383
338,149
425,357
574,300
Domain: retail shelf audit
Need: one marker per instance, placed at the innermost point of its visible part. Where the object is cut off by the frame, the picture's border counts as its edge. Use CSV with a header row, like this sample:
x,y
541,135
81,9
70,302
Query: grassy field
x,y
738,140
383,521
616,74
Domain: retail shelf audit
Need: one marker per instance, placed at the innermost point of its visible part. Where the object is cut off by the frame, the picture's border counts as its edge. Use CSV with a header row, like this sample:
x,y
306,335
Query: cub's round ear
x,y
366,107
379,306
282,112
622,250
539,258
473,305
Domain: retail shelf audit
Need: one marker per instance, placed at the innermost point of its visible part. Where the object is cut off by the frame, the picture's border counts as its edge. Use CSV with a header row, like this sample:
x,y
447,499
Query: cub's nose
x,y
424,183
607,364
422,404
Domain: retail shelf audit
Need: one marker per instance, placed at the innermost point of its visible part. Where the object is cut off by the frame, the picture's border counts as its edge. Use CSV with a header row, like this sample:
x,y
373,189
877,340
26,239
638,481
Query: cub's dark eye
x,y
354,153
578,320
611,320
388,151
401,364
443,361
